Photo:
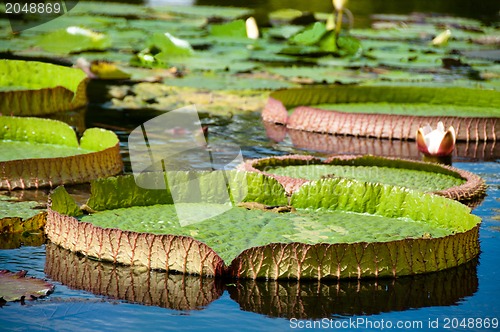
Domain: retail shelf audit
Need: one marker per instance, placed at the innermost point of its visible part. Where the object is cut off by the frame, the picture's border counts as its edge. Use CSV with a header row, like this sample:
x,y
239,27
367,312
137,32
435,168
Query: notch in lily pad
x,y
330,224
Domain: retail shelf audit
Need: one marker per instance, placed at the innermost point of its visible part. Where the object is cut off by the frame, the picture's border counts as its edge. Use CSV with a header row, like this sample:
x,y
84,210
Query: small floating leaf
x,y
169,45
74,39
228,13
36,88
310,35
16,286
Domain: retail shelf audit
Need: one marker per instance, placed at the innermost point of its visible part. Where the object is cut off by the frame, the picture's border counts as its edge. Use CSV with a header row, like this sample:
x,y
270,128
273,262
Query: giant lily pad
x,y
17,287
294,171
74,39
387,112
335,228
42,152
35,88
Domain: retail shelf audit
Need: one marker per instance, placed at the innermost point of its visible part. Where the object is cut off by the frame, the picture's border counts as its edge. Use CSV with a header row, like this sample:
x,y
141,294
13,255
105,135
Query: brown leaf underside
x,y
19,225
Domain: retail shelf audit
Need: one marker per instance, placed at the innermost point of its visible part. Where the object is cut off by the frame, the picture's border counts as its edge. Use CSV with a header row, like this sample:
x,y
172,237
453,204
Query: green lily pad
x,y
12,150
294,171
414,109
399,75
97,23
284,31
266,227
322,74
310,35
74,39
35,88
176,26
235,29
331,216
11,207
63,160
225,82
227,13
421,180
17,287
169,46
285,15
111,9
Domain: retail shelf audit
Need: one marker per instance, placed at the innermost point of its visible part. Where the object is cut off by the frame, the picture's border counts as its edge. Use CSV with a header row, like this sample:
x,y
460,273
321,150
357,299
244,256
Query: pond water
x,y
94,296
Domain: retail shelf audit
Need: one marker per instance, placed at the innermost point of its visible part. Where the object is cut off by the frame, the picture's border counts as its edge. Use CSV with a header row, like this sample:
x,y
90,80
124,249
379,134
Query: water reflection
x,y
271,298
16,240
483,151
133,284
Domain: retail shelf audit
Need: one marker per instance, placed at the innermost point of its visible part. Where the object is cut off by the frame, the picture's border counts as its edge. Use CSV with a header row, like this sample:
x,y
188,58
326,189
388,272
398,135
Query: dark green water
x,y
485,10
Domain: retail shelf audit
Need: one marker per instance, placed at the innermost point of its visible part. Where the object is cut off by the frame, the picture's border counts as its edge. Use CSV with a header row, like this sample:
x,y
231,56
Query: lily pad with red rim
x,y
334,229
394,112
35,88
44,153
295,170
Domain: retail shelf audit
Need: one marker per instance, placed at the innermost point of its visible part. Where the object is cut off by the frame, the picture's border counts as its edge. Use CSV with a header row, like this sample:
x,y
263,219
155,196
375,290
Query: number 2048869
x,y
470,323
33,8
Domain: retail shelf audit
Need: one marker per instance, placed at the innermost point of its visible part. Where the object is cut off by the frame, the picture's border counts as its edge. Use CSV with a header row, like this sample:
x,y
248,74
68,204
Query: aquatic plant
x,y
436,142
332,229
46,153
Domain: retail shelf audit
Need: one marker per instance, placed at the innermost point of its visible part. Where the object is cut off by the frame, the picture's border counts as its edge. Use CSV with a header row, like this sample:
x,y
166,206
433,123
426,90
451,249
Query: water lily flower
x,y
77,31
252,28
436,142
339,4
